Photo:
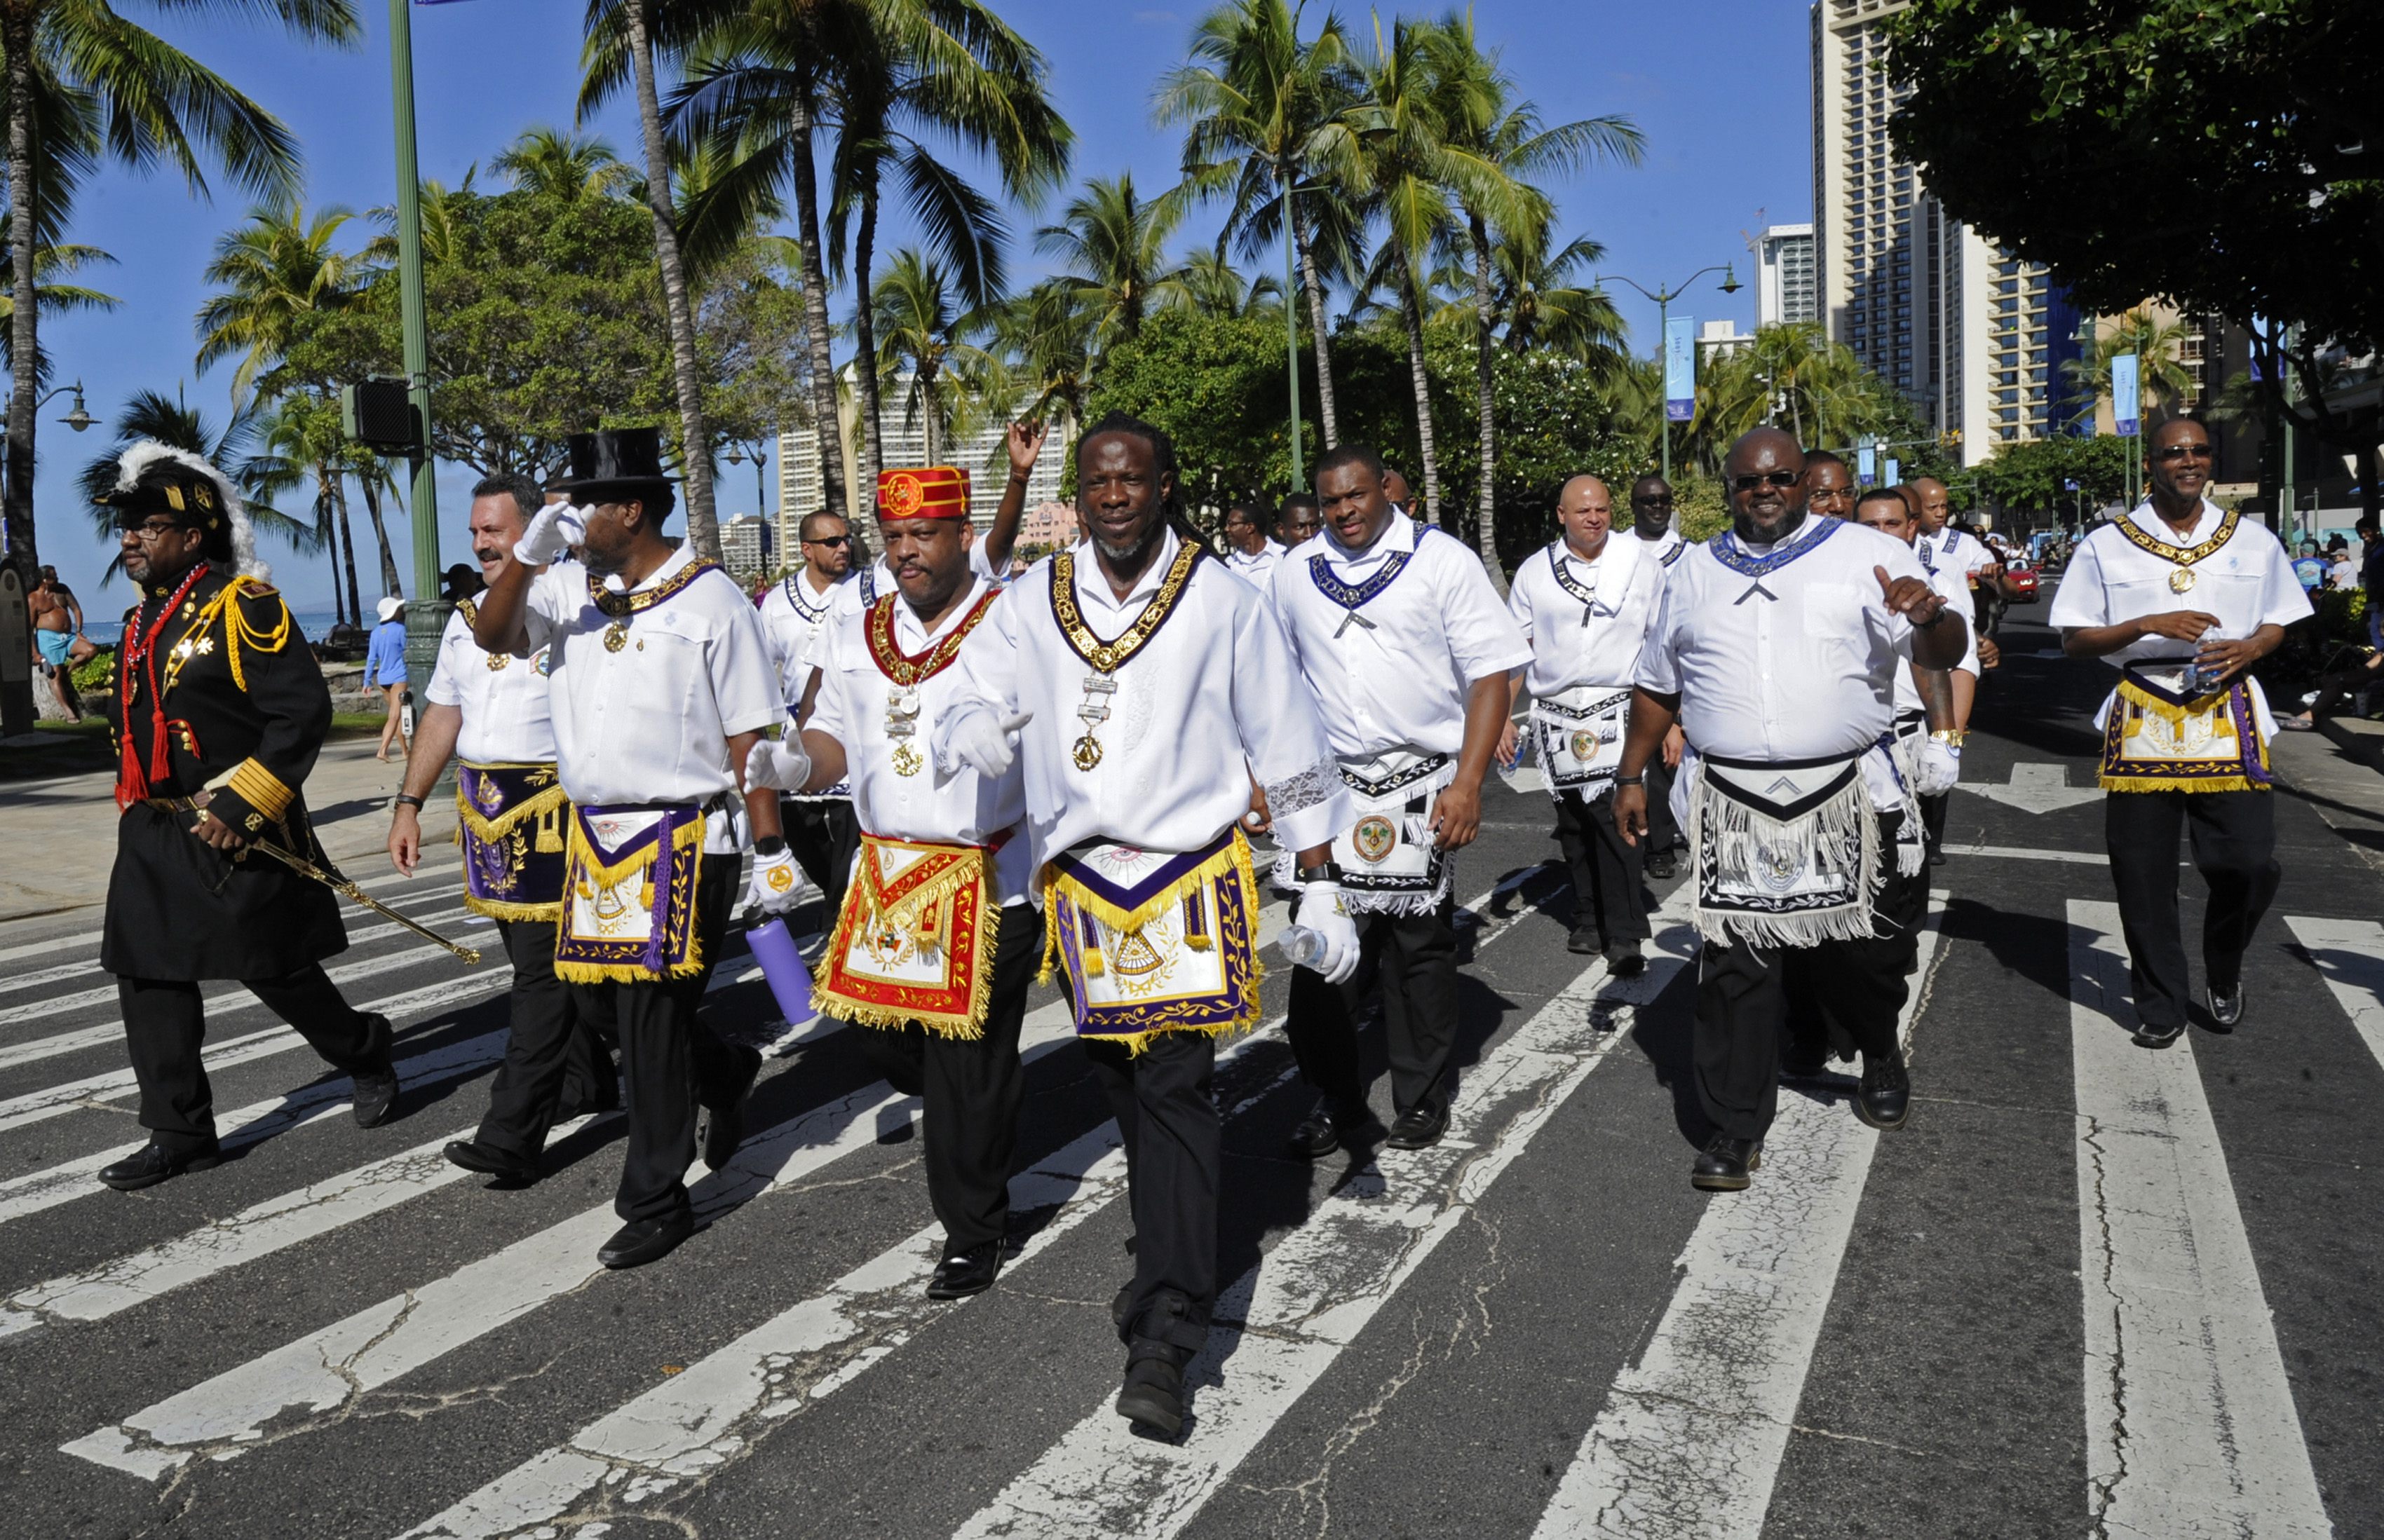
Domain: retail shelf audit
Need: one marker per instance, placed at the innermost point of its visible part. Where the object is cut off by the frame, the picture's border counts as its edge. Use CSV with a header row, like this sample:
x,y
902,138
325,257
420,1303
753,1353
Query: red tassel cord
x,y
132,782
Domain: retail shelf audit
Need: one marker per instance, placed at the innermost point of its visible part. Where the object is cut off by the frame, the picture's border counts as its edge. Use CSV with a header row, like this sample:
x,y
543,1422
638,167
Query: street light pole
x,y
1664,295
426,618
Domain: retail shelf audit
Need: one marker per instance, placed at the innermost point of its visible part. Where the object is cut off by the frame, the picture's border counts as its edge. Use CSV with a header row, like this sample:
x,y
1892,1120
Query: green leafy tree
x,y
276,266
565,164
749,328
300,441
2163,383
2060,475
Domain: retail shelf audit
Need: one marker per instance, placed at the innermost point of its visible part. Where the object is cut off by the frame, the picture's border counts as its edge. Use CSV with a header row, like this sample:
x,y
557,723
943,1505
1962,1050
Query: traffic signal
x,y
380,414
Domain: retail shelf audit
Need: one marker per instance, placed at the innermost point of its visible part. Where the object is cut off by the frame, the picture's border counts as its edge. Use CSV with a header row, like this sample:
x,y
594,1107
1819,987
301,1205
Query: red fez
x,y
934,492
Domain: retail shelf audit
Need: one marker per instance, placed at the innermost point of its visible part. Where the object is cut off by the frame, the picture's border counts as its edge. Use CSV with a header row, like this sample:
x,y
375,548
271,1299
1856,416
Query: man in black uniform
x,y
220,712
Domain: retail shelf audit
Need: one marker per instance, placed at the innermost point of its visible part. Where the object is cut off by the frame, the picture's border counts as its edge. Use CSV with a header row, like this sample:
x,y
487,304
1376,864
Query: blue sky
x,y
1719,88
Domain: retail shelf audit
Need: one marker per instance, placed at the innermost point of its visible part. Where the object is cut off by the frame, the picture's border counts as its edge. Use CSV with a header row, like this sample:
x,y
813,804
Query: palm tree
x,y
1215,287
565,164
1257,101
73,64
1495,141
174,423
271,270
51,266
1791,377
1046,338
924,335
2162,379
298,442
625,29
1114,246
1536,300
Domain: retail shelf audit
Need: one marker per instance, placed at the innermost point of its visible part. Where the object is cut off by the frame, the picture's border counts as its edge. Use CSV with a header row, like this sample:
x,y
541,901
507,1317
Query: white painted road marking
x,y
2190,1428
2036,789
2350,958
1690,1440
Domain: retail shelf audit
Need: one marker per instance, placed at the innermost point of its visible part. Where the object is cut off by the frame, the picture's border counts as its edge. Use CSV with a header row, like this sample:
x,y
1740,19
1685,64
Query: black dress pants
x,y
552,1059
2234,837
1606,880
165,1023
1932,819
1416,956
671,1059
1663,829
1743,994
1166,1109
1902,908
972,1088
825,837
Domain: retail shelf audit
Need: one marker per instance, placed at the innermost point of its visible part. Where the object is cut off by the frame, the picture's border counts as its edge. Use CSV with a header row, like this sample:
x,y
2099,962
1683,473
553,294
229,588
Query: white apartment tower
x,y
1784,276
1972,338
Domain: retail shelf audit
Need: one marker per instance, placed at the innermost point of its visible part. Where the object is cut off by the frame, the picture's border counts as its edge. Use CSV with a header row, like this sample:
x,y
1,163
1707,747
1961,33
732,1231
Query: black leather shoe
x,y
490,1161
2226,1006
1584,939
153,1163
643,1241
375,1099
2148,1035
1331,1125
1725,1165
1661,867
1153,1398
1418,1127
1885,1099
962,1274
1936,856
1625,960
725,1129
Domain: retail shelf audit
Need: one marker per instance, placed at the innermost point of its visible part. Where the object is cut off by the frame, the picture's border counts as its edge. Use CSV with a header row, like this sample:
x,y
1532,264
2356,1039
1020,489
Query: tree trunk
x,y
807,245
345,536
702,524
929,411
1486,501
16,37
1327,408
865,344
1413,316
388,563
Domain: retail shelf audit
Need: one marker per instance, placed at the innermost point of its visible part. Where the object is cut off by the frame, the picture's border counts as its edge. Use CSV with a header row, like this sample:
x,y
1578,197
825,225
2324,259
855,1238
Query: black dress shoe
x,y
1661,867
1153,1398
1885,1099
1725,1163
962,1274
1625,960
490,1161
2151,1035
153,1163
1121,1305
725,1130
643,1241
1418,1127
374,1101
1936,856
1584,939
2226,1006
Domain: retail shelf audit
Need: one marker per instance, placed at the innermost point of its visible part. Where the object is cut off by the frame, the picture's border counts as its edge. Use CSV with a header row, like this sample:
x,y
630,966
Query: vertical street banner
x,y
2127,397
1894,472
1680,368
1865,463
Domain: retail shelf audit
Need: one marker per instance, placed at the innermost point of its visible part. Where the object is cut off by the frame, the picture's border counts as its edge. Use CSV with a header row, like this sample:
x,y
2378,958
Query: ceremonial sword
x,y
346,889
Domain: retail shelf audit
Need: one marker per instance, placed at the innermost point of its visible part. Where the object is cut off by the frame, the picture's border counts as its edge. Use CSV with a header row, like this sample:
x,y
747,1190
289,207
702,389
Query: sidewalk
x,y
2335,772
61,831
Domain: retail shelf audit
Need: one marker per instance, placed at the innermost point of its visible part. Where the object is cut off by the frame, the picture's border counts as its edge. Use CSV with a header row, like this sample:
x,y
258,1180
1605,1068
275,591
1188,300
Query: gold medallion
x,y
1088,752
616,636
2181,580
1584,745
907,760
497,660
1374,837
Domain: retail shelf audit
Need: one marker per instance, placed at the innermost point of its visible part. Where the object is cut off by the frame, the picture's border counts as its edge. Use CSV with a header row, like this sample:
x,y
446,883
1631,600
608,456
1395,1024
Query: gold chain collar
x,y
1109,656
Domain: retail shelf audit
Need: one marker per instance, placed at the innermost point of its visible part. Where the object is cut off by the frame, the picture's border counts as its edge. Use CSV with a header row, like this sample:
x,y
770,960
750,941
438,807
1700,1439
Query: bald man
x,y
1588,602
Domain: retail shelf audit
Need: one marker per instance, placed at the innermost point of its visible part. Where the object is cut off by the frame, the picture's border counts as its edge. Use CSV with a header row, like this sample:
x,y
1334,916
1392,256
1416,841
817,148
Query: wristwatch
x,y
1953,737
406,799
1328,873
769,844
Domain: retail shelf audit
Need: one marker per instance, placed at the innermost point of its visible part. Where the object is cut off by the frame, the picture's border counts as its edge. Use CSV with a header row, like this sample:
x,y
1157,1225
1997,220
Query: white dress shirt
x,y
1397,677
851,708
1206,705
1662,546
1950,588
651,722
1951,550
792,614
1259,568
1806,674
502,699
1572,642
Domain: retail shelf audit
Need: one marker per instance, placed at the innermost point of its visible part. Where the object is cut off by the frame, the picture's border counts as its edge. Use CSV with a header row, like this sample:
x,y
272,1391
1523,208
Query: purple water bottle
x,y
783,971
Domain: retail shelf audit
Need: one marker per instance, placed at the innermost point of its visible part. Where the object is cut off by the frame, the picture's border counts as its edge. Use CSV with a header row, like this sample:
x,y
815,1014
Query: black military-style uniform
x,y
218,698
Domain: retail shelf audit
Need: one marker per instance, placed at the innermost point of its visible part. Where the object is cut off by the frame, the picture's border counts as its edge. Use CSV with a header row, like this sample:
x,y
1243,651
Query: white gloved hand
x,y
780,765
778,886
1936,768
1323,910
552,531
978,738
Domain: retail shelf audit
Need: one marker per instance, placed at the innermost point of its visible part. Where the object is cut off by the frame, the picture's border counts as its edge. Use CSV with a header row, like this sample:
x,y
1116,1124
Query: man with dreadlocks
x,y
220,712
1143,687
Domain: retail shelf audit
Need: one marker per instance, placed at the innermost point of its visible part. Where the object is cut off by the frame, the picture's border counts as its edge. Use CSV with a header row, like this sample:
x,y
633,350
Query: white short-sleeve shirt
x,y
1952,550
1256,569
792,614
1594,641
2247,582
506,720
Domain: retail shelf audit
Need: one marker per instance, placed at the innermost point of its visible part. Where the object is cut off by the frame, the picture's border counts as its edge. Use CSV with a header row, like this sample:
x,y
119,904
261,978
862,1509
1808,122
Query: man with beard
x,y
1152,687
1586,603
1404,644
1296,522
659,683
492,709
221,712
1651,522
938,939
2186,731
1776,650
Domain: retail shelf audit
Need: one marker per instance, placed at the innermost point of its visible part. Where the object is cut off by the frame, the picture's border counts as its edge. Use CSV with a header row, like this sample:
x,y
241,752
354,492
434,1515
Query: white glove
x,y
779,765
778,886
1936,768
552,531
975,738
1322,910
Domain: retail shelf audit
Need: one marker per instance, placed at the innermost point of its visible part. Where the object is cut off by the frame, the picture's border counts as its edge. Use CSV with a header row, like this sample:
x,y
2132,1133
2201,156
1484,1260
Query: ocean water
x,y
316,623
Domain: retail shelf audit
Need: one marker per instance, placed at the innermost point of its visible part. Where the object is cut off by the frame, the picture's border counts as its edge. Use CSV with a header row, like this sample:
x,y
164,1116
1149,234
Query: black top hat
x,y
623,458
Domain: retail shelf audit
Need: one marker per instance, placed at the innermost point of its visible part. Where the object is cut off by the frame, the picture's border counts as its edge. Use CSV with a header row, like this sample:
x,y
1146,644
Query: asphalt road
x,y
2090,1291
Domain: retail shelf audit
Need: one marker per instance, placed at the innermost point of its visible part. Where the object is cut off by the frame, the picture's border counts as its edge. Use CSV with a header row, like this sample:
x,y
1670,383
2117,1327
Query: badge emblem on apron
x,y
1584,745
1374,837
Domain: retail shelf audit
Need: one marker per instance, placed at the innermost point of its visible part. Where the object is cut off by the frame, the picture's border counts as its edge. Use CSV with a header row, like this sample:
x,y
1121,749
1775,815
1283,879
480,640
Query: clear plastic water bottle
x,y
1303,947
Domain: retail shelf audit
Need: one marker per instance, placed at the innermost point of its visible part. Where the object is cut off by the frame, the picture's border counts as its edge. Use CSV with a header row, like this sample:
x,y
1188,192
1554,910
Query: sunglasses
x,y
832,541
2168,452
1760,479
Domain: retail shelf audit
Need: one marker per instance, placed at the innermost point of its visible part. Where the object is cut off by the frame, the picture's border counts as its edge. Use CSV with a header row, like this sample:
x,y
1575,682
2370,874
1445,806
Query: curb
x,y
2357,737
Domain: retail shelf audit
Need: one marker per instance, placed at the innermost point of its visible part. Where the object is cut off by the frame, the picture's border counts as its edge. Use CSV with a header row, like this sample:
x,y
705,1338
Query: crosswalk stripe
x,y
51,943
2349,954
1689,1439
2190,1427
1284,1322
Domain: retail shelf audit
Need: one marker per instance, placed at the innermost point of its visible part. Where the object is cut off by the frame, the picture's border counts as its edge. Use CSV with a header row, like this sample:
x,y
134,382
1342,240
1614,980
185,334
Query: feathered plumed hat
x,y
152,478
